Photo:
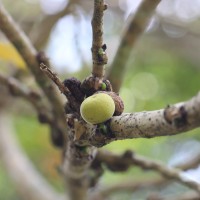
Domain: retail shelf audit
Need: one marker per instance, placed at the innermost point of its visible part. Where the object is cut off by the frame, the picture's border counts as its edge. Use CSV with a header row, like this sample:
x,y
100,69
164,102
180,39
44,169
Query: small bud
x,y
103,128
101,51
103,86
93,84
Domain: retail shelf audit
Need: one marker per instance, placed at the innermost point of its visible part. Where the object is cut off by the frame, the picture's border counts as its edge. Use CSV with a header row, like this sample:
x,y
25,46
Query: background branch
x,y
132,186
28,182
35,98
135,29
40,32
184,196
172,120
29,54
128,159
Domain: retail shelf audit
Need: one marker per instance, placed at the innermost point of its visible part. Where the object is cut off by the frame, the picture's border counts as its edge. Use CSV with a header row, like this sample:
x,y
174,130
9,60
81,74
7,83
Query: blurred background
x,y
163,69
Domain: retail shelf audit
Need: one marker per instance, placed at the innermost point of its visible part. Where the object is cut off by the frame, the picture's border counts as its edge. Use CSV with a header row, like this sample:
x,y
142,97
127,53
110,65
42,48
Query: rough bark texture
x,y
169,121
172,120
77,161
98,49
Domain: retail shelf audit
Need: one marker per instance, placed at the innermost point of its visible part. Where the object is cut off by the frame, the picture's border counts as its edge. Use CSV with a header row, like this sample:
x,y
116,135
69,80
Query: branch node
x,y
176,116
105,7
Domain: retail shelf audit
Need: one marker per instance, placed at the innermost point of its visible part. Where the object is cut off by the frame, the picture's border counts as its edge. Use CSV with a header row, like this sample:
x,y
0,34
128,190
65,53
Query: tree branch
x,y
99,56
18,89
114,164
29,54
165,122
130,186
184,196
172,120
129,159
63,89
135,29
40,32
77,161
28,182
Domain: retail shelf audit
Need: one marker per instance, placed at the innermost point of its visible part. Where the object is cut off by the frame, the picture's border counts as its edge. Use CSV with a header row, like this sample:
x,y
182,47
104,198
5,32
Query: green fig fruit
x,y
97,108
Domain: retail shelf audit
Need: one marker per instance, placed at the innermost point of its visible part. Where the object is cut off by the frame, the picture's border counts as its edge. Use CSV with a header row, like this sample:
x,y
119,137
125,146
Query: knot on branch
x,y
176,116
101,58
73,85
42,58
93,84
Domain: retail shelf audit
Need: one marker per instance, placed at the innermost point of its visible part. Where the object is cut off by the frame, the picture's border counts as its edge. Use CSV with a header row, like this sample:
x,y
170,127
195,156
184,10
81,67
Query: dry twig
x,y
64,90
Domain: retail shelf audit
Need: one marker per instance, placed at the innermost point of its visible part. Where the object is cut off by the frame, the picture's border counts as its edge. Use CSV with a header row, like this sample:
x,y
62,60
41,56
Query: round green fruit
x,y
97,108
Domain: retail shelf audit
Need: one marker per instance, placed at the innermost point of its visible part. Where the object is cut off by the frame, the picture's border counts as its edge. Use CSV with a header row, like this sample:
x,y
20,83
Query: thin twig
x,y
63,89
98,50
135,29
53,76
130,159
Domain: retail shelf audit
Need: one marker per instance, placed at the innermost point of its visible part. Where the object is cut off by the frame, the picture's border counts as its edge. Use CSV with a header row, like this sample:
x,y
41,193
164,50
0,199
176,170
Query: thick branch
x,y
29,54
172,120
28,182
98,50
77,161
165,122
129,159
135,29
